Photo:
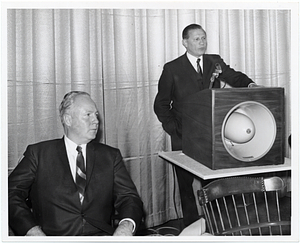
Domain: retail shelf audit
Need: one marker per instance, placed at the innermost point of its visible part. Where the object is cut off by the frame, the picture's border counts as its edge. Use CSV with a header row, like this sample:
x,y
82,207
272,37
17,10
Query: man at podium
x,y
186,75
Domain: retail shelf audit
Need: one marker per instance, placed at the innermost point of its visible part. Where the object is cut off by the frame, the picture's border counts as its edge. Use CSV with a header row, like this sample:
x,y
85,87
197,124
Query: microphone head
x,y
218,68
215,74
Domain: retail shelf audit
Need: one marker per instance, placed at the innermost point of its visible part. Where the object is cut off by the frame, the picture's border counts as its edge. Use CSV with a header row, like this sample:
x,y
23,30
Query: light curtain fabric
x,y
117,55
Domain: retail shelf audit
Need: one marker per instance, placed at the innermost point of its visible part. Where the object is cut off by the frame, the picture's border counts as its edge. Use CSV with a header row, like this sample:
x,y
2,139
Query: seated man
x,y
74,184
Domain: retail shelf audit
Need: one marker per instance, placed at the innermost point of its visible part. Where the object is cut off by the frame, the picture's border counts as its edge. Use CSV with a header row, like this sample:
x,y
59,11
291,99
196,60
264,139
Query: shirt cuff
x,y
129,219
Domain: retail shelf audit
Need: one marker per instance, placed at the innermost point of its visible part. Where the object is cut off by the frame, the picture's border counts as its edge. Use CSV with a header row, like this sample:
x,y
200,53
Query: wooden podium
x,y
203,120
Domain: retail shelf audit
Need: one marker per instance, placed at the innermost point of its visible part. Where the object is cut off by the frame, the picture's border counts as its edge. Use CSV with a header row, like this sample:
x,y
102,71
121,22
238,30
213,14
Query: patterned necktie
x,y
199,67
80,174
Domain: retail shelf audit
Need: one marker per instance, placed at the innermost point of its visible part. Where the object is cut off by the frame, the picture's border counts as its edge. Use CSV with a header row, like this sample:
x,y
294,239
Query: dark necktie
x,y
199,67
80,174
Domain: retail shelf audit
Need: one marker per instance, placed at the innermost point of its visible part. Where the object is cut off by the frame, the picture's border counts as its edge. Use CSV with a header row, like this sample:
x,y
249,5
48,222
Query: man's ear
x,y
184,43
67,119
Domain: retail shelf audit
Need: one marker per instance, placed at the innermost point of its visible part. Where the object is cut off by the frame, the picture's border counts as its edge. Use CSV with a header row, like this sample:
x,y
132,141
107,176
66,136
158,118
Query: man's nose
x,y
202,42
95,119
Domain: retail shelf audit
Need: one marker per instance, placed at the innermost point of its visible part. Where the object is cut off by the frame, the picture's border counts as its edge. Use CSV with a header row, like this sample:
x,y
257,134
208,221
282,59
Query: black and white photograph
x,y
150,121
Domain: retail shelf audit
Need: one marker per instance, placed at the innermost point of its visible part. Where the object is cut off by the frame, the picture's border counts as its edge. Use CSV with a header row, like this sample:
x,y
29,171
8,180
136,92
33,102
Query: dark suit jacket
x,y
44,176
179,80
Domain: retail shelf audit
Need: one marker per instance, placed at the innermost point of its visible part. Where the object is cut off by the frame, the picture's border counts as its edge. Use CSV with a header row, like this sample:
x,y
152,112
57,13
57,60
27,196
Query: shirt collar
x,y
193,59
71,145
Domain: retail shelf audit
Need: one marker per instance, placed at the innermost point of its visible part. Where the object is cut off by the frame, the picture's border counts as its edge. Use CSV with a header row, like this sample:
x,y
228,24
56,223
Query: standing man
x,y
182,77
74,185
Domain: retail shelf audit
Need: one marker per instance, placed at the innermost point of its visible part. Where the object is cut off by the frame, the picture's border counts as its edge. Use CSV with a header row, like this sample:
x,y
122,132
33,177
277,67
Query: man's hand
x,y
124,229
35,231
254,85
195,229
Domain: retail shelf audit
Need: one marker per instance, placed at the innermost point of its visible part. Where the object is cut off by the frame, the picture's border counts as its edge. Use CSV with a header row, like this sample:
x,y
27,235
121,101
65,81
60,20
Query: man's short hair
x,y
185,32
68,101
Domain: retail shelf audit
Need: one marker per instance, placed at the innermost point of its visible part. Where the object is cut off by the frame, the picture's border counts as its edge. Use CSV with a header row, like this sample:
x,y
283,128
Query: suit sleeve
x,y
127,202
163,102
19,183
232,77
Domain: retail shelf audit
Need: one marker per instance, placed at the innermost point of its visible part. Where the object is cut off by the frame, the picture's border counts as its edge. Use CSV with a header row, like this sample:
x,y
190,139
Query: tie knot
x,y
198,60
79,149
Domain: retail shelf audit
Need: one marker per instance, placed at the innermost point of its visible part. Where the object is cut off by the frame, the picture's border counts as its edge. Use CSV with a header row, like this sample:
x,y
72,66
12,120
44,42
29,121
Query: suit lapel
x,y
90,161
63,157
64,161
208,68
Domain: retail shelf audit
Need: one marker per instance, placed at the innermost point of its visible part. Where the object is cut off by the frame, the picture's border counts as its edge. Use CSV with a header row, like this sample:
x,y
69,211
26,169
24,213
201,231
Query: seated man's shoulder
x,y
44,148
106,147
45,143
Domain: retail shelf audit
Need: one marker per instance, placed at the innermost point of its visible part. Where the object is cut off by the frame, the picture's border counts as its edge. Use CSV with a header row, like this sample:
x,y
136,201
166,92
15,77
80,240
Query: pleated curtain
x,y
117,55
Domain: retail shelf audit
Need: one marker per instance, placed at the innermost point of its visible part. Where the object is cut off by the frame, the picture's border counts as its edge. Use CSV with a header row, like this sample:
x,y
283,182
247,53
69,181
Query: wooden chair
x,y
245,206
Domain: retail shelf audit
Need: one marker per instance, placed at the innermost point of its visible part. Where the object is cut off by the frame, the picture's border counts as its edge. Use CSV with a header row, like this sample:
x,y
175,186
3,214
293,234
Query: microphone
x,y
215,74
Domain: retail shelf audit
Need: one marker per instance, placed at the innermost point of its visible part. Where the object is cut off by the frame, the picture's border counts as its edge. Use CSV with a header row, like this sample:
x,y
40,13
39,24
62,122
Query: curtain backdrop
x,y
117,55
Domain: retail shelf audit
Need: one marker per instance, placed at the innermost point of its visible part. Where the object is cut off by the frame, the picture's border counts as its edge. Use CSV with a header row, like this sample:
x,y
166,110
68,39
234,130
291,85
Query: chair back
x,y
245,206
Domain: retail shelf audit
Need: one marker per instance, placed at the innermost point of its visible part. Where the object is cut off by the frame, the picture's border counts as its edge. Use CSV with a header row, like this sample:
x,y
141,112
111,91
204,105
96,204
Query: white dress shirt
x,y
72,154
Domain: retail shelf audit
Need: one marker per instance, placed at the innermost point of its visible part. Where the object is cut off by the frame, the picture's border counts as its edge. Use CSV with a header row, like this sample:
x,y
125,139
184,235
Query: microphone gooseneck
x,y
215,74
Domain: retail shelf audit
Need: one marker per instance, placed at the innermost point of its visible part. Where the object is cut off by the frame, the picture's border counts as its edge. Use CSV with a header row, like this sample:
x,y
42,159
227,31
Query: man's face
x,y
82,121
196,43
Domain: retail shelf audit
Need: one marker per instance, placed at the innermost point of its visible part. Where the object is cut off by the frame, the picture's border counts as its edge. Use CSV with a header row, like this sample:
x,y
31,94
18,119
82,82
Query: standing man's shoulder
x,y
177,60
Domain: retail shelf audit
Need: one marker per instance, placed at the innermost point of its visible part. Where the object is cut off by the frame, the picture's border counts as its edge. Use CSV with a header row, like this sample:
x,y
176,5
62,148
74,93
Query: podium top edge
x,y
246,88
